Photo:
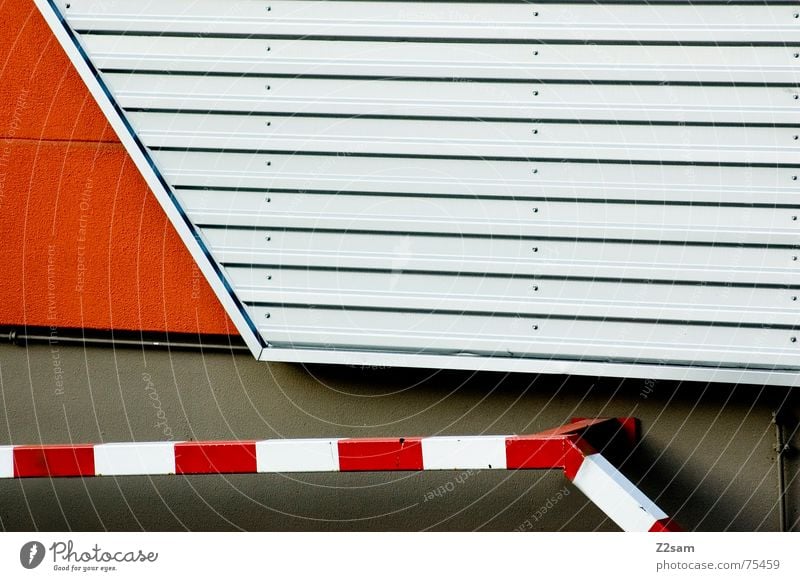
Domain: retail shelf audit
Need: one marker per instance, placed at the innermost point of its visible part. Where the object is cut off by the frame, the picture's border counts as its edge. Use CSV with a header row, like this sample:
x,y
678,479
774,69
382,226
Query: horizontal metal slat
x,y
708,64
527,336
495,217
553,179
628,21
514,139
489,100
521,295
456,254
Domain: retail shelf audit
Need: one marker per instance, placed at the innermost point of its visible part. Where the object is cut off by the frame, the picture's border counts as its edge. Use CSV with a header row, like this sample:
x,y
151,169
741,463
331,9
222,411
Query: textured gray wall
x,y
707,456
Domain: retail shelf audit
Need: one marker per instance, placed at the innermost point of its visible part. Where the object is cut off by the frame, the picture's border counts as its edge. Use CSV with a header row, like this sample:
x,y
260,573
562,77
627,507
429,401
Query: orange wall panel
x,y
42,95
84,242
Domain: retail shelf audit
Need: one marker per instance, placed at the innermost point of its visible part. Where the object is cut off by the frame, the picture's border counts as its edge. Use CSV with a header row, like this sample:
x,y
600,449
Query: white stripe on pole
x,y
451,453
134,458
6,461
309,455
616,496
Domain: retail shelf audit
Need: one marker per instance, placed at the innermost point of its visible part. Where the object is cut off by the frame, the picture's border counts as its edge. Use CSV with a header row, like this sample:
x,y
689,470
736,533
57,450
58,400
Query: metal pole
x,y
781,447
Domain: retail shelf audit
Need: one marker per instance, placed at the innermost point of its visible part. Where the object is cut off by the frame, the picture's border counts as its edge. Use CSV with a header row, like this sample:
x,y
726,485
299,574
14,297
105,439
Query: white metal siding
x,y
604,188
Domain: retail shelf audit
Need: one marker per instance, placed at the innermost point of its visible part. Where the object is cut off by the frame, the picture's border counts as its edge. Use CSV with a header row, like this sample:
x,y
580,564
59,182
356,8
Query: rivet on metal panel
x,y
535,210
793,339
269,8
794,298
536,94
269,163
269,123
794,218
268,87
267,238
535,170
794,258
267,315
269,277
535,132
536,53
796,137
268,200
269,48
536,249
535,327
535,288
536,14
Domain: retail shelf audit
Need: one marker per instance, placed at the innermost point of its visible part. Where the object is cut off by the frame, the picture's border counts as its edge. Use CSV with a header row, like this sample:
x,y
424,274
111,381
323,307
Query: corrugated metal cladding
x,y
606,188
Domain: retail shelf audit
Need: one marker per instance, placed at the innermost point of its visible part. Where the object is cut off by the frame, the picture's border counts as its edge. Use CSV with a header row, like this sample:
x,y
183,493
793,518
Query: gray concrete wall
x,y
707,455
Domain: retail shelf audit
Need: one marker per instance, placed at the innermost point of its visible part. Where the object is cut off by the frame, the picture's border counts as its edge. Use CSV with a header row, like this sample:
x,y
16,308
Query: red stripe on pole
x,y
579,449
33,461
536,453
551,451
665,525
380,454
215,457
627,427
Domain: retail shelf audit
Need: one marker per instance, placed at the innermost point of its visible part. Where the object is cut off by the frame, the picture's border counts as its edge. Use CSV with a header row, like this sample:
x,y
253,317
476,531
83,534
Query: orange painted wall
x,y
84,242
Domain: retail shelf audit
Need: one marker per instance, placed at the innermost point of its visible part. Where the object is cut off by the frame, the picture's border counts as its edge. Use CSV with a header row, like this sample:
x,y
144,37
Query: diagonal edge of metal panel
x,y
572,448
191,237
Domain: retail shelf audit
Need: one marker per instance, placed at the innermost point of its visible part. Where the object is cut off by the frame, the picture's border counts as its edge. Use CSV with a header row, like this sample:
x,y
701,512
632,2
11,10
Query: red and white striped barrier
x,y
565,448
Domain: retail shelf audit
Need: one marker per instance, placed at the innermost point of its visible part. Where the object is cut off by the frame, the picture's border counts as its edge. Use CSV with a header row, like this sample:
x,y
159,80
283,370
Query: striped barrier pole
x,y
566,448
